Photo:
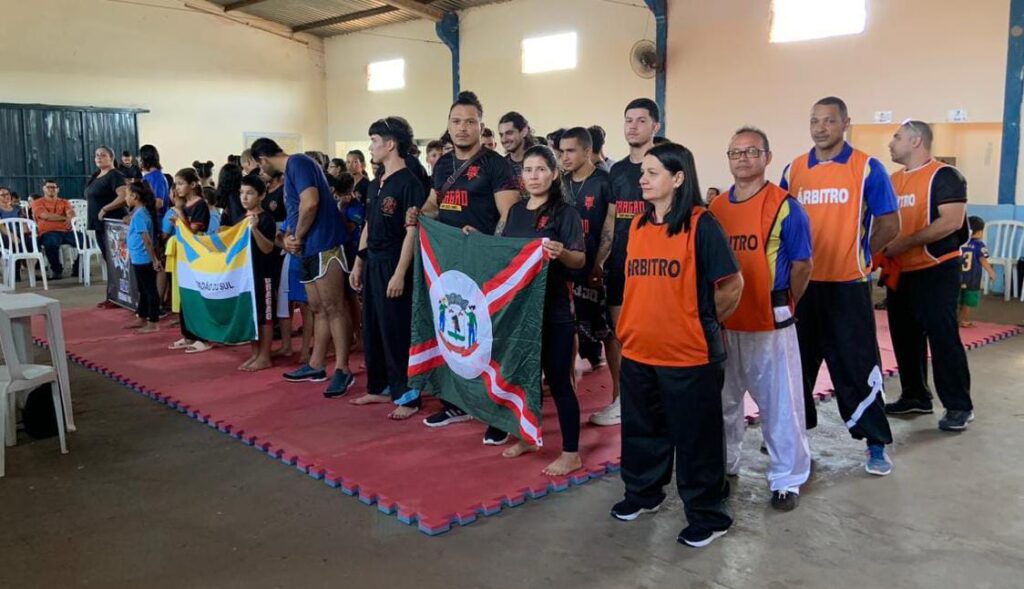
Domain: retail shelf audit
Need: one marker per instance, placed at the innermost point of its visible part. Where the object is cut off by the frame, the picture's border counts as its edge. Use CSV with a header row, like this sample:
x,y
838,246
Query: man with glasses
x,y
923,304
853,212
771,236
53,216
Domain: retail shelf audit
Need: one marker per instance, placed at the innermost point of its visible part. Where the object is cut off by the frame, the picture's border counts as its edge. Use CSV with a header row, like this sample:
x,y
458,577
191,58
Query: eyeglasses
x,y
750,152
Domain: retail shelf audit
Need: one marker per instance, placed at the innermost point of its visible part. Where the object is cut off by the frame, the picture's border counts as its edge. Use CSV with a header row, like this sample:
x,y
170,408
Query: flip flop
x,y
180,344
198,348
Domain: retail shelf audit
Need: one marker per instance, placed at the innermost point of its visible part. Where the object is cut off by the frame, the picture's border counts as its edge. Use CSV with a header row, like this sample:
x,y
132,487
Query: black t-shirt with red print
x,y
386,206
591,197
470,198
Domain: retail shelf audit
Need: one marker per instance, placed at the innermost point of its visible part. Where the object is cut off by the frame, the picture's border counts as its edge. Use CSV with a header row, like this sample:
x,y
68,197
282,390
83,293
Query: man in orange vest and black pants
x,y
771,237
923,305
853,212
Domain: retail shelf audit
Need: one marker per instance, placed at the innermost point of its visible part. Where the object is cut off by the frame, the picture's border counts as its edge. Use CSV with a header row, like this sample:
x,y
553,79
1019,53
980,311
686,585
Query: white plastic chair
x,y
15,378
87,248
24,245
26,208
1005,241
81,207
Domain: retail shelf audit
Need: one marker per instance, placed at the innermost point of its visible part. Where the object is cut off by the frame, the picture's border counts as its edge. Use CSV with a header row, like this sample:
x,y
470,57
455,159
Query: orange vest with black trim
x,y
660,321
832,193
749,225
914,194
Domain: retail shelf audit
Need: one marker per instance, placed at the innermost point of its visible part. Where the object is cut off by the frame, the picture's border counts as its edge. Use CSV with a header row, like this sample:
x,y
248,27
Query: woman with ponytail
x,y
546,214
192,210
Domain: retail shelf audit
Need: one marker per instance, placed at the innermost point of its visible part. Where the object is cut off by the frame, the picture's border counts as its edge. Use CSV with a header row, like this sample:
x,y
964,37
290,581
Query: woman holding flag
x,y
546,214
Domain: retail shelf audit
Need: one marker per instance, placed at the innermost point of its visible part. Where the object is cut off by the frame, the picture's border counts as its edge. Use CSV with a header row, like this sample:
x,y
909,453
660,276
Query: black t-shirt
x,y
101,191
273,203
591,199
362,188
131,172
386,206
566,228
517,173
197,216
715,261
948,186
470,199
265,265
629,202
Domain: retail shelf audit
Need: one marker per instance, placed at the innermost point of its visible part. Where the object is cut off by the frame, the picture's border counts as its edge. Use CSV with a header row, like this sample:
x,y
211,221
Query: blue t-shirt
x,y
971,256
214,221
158,183
788,243
878,191
167,223
14,213
328,229
140,224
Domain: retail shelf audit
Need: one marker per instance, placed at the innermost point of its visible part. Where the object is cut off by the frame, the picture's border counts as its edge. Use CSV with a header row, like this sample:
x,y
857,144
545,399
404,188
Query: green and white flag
x,y
216,285
478,307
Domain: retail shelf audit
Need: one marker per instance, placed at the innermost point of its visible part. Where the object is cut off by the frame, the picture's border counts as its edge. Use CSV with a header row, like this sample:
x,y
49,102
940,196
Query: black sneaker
x,y
340,383
628,511
955,421
698,537
784,500
306,373
494,436
447,417
908,406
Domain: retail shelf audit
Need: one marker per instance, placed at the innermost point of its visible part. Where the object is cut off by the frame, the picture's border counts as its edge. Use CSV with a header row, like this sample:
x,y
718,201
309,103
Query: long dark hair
x,y
144,193
189,175
556,198
229,182
677,158
149,157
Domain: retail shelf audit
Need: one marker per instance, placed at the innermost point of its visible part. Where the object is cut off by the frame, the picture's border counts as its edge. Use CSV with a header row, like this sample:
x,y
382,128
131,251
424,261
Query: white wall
x,y
206,80
917,58
491,36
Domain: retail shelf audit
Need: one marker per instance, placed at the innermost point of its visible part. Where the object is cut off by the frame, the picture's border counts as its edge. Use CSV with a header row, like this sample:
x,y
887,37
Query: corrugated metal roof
x,y
297,13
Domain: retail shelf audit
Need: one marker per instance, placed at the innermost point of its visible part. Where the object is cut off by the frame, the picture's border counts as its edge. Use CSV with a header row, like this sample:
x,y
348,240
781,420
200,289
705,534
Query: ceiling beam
x,y
240,4
337,20
419,9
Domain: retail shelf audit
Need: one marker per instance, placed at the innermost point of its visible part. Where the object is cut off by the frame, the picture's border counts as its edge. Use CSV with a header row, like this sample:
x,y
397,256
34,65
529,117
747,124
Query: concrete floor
x,y
148,498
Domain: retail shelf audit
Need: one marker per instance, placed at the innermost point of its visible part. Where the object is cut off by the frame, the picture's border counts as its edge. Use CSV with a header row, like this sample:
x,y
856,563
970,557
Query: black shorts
x,y
314,267
615,287
592,320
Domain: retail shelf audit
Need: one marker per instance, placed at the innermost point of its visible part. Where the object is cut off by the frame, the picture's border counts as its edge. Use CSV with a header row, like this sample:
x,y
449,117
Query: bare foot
x,y
401,413
370,399
134,324
149,328
519,449
966,324
245,365
282,353
564,464
175,322
258,364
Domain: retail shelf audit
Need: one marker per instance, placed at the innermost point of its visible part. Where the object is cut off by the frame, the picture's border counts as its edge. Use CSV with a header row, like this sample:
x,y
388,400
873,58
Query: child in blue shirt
x,y
974,257
142,254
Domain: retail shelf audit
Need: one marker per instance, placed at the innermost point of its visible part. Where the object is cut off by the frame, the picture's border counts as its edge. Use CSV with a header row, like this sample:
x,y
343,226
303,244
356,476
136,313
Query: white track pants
x,y
767,365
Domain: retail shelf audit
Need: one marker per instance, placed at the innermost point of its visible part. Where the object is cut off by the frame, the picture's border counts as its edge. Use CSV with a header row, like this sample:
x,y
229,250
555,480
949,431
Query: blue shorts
x,y
296,290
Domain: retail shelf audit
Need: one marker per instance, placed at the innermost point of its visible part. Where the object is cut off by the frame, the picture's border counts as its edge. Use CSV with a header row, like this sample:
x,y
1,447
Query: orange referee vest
x,y
914,193
833,196
749,225
660,321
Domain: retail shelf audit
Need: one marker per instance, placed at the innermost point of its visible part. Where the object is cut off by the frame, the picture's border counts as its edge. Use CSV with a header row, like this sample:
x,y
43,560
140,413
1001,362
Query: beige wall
x,y
917,58
205,79
595,92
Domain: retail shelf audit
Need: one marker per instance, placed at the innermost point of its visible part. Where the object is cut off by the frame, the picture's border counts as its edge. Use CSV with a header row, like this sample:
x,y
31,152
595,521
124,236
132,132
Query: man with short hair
x,y
922,305
771,236
597,139
852,207
473,189
641,122
588,189
487,139
315,234
356,163
128,167
53,215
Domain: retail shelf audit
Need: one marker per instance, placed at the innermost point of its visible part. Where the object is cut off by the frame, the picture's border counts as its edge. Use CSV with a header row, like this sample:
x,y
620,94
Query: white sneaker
x,y
610,415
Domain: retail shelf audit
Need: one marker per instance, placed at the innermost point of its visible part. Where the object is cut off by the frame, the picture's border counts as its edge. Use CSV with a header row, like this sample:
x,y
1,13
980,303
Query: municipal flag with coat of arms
x,y
478,306
215,283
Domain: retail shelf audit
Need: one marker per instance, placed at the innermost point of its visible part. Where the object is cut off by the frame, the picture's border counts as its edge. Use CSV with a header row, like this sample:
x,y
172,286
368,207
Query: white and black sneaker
x,y
955,421
698,537
628,511
495,437
447,417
